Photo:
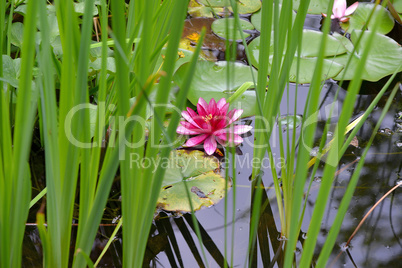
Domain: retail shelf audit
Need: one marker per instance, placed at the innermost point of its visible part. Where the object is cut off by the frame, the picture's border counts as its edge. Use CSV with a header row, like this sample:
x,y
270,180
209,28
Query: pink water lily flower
x,y
339,10
212,124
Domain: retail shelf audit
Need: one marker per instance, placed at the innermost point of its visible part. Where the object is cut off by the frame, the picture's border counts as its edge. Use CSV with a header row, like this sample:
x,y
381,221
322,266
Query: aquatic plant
x,y
340,12
212,124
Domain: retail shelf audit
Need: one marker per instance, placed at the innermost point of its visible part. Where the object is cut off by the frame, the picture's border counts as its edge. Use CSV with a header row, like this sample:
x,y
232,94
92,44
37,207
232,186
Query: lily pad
x,y
256,18
210,81
183,56
315,7
309,52
198,172
288,121
384,58
243,6
197,10
359,18
219,27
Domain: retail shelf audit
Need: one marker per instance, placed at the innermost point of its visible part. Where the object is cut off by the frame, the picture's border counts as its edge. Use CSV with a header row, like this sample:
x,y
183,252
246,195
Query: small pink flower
x,y
212,124
339,10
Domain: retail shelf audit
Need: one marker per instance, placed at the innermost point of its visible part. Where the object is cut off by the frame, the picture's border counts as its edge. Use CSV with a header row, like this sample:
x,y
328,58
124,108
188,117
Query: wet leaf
x,y
243,6
198,172
210,81
289,122
256,18
197,10
359,18
384,58
219,28
309,52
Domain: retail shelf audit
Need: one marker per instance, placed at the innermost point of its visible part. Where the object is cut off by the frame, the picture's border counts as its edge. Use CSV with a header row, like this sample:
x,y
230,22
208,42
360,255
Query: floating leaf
x,y
309,52
198,172
359,18
219,27
243,6
210,81
184,56
315,7
197,10
256,18
289,122
384,58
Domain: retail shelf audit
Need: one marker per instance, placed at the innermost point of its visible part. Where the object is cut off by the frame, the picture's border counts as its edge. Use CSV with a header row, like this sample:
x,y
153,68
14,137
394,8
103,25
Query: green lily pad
x,y
243,6
288,121
256,18
210,81
359,18
384,58
315,7
183,56
309,52
219,28
197,10
198,172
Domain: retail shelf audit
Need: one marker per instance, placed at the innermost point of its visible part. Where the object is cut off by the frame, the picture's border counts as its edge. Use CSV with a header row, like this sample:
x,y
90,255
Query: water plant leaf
x,y
219,28
210,81
243,6
256,18
358,20
197,10
288,121
201,175
309,52
384,58
315,7
17,30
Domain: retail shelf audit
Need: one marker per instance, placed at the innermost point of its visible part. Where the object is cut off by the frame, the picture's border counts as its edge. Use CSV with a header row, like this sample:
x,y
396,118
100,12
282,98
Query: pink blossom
x,y
339,10
212,124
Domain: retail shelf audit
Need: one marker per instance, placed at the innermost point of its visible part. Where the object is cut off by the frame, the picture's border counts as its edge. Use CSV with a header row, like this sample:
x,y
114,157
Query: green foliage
x,y
210,81
358,20
226,27
194,172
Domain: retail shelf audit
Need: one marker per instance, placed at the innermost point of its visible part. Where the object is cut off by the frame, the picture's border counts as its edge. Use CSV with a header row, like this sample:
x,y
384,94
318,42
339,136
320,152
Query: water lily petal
x,y
221,103
232,139
210,145
203,103
189,118
221,142
196,140
351,9
224,109
339,8
201,110
197,119
235,116
240,129
185,131
212,109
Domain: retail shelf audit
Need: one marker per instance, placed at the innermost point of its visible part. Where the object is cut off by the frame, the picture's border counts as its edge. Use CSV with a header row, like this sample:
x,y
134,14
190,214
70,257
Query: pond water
x,y
173,242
